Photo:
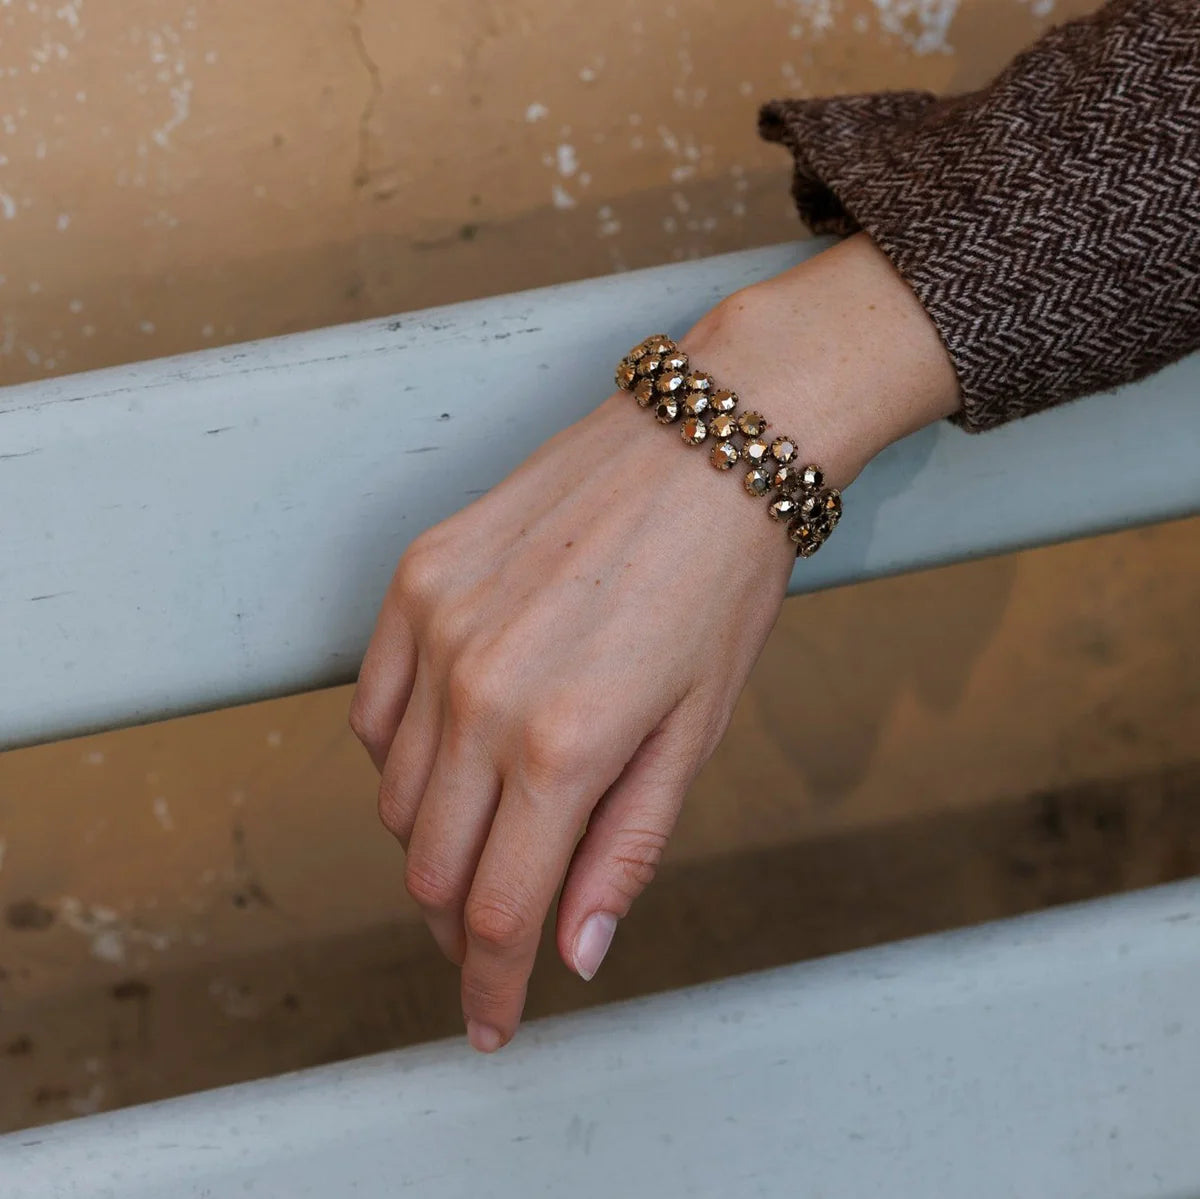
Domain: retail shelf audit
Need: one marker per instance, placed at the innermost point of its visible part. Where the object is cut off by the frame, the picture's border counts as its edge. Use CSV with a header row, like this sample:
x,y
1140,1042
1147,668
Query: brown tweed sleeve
x,y
1049,223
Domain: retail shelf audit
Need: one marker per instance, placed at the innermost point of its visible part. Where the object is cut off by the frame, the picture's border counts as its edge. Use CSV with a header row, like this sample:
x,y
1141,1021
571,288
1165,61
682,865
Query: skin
x,y
553,664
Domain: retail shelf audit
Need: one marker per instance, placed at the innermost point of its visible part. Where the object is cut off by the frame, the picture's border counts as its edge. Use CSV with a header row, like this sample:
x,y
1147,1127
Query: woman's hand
x,y
561,657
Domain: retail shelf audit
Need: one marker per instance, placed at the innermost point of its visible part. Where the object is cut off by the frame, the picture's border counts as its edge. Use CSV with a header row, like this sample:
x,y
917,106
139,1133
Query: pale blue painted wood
x,y
206,530
1052,1057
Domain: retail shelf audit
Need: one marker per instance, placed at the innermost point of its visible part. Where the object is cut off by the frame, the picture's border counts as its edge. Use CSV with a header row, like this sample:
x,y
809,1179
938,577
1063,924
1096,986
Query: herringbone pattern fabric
x,y
1049,223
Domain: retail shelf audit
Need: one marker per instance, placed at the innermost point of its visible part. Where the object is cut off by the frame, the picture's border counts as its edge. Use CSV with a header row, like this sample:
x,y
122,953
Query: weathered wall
x,y
209,899
178,174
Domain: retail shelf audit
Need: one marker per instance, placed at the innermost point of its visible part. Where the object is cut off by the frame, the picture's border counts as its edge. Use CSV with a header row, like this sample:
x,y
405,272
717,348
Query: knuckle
x,y
472,691
363,723
499,921
446,626
393,811
420,571
554,745
429,885
482,996
636,858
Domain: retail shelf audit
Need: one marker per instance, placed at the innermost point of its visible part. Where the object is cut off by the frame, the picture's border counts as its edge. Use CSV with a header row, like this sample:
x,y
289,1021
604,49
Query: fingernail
x,y
592,944
483,1037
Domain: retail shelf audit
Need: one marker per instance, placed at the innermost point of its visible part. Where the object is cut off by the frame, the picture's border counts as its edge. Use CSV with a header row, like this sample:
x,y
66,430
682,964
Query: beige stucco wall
x,y
178,174
212,898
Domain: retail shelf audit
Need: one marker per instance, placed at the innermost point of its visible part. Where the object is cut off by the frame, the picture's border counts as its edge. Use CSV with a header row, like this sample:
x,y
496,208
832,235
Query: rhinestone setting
x,y
661,377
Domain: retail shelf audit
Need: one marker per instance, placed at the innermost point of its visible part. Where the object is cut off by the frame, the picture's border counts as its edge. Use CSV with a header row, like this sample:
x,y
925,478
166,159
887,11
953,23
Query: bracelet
x,y
659,375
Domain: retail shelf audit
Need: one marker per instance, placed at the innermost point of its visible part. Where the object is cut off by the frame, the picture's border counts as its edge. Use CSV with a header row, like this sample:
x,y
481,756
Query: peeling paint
x,y
923,25
109,935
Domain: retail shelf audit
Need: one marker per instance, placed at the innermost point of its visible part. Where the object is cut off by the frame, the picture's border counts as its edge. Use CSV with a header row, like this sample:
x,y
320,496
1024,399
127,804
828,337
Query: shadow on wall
x,y
313,1002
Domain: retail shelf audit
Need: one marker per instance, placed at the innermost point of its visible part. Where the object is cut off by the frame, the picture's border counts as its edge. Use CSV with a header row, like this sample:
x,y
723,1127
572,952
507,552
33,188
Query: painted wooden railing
x,y
206,530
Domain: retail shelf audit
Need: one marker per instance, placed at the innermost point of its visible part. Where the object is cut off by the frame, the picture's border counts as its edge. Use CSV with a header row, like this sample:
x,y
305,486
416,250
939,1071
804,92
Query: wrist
x,y
837,352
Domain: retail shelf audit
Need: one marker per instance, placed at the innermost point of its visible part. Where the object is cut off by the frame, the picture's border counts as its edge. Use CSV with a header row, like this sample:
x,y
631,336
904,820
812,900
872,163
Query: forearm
x,y
837,352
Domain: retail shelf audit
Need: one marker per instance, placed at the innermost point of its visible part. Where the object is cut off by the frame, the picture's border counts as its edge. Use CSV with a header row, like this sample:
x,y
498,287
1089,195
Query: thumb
x,y
617,857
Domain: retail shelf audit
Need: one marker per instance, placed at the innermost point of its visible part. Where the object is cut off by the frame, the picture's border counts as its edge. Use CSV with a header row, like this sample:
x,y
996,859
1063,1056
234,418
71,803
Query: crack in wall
x,y
362,169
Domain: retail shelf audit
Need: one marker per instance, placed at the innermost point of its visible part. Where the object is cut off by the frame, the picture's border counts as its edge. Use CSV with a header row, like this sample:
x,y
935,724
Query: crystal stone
x,y
668,382
644,392
783,450
700,381
626,376
786,478
783,508
723,426
758,481
693,430
667,410
656,343
724,400
804,537
755,450
723,455
675,360
695,403
752,423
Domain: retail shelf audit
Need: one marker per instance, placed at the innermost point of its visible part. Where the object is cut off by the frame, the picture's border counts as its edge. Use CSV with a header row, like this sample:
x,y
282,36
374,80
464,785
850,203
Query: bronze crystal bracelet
x,y
660,376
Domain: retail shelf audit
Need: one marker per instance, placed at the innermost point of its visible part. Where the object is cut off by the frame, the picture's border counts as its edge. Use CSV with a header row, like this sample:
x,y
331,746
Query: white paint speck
x,y
568,162
813,16
8,206
274,738
94,757
75,306
609,225
108,934
923,25
64,221
108,945
181,107
234,999
88,1103
162,813
536,112
146,327
562,198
